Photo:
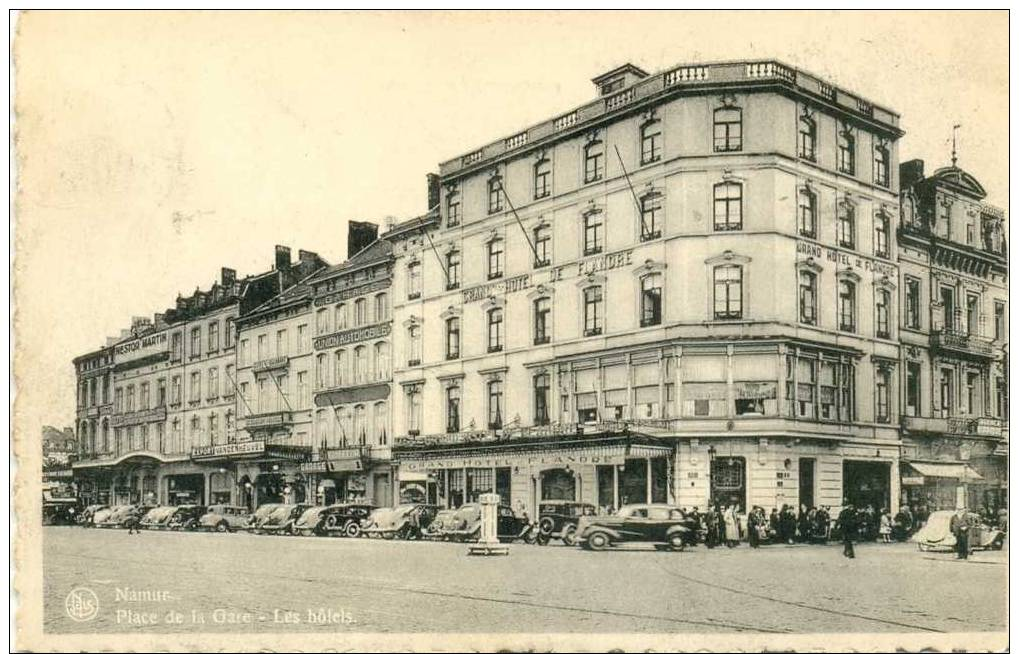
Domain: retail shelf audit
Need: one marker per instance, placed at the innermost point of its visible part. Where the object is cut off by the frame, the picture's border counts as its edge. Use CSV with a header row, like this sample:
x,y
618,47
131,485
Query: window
x,y
340,368
728,206
282,348
161,392
593,224
361,424
972,393
651,300
175,390
413,345
452,270
321,373
414,280
651,142
228,334
846,224
972,313
650,215
495,330
541,395
495,194
414,409
808,138
322,321
882,410
884,298
213,383
970,234
542,179
213,428
143,396
847,306
381,423
263,347
381,307
228,381
196,388
340,316
807,214
728,130
999,320
495,404
881,165
360,364
728,292
912,303
881,234
496,251
196,342
1000,397
175,346
542,246
213,336
453,338
360,311
947,392
542,311
808,298
912,388
593,310
846,156
594,161
452,209
452,408
381,361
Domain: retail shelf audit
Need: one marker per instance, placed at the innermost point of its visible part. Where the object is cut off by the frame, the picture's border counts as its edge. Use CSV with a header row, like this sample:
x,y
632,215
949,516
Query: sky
x,y
155,148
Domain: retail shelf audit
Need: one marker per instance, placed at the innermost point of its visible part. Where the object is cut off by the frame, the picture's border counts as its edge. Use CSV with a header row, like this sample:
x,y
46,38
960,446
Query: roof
x,y
959,180
379,250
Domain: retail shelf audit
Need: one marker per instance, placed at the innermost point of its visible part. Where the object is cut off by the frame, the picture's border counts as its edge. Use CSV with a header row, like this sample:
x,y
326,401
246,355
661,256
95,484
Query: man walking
x,y
960,529
133,523
847,522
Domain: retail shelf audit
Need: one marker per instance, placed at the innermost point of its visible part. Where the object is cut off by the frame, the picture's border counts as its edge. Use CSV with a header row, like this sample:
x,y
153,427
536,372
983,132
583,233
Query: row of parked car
x,y
570,522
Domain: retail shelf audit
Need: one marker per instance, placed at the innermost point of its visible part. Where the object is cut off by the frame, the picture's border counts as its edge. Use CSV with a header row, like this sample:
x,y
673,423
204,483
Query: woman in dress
x,y
731,527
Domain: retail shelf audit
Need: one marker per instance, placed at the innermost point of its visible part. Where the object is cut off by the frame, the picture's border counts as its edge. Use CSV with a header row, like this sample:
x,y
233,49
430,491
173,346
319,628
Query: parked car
x,y
407,521
87,515
282,519
341,519
260,515
157,517
441,524
59,510
119,515
558,519
937,536
661,524
224,518
186,517
465,525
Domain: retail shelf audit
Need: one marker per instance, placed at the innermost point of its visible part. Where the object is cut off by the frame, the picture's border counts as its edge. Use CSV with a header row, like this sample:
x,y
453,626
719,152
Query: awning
x,y
959,471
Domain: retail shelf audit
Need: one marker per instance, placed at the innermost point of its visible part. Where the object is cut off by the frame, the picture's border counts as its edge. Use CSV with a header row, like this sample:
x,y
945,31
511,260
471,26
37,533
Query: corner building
x,y
683,291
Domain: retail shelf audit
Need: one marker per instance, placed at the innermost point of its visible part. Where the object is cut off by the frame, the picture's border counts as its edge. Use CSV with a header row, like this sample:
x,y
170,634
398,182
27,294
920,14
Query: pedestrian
x,y
720,524
133,523
731,527
787,524
847,522
885,529
755,522
960,529
803,523
711,527
773,525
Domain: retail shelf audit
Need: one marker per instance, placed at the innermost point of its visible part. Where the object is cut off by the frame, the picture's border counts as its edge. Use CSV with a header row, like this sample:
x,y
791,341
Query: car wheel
x,y
570,535
677,543
222,527
546,525
352,530
331,522
998,542
598,541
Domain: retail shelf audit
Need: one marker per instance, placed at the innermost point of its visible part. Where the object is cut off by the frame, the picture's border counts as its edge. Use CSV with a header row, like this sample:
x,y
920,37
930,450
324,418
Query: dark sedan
x,y
558,519
660,524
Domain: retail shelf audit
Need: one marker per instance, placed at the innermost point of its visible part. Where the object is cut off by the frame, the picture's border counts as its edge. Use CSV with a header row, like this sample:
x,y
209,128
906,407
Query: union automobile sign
x,y
353,336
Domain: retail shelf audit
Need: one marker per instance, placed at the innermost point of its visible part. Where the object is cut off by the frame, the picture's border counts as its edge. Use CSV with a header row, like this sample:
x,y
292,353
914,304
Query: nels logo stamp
x,y
82,604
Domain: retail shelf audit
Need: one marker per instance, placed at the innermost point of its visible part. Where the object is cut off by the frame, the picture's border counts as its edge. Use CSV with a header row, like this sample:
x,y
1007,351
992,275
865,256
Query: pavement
x,y
159,582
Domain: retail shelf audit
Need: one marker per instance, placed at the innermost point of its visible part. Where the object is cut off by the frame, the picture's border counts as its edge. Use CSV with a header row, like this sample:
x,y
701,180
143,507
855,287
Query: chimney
x,y
910,172
618,79
227,276
157,319
433,191
360,235
282,257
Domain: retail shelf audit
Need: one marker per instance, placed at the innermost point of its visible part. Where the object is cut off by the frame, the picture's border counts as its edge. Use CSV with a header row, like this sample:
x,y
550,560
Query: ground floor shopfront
x,y
947,472
351,474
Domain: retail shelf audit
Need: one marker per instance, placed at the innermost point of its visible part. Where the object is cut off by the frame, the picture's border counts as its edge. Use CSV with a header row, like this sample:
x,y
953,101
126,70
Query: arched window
x,y
495,194
728,292
651,142
847,306
360,364
594,161
340,368
846,152
340,316
321,372
542,179
344,426
322,424
728,129
808,138
496,255
594,311
495,330
322,321
381,307
728,206
651,300
360,311
381,361
807,213
808,297
360,424
381,423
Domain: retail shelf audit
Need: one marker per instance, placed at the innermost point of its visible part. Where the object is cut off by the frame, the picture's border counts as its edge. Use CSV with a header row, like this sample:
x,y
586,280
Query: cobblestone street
x,y
197,582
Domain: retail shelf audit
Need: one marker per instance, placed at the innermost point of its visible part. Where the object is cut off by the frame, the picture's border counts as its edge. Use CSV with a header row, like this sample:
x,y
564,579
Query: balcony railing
x,y
962,342
959,426
271,363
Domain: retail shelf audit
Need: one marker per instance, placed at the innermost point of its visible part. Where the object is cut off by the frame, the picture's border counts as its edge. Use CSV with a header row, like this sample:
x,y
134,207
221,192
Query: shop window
x,y
633,482
728,481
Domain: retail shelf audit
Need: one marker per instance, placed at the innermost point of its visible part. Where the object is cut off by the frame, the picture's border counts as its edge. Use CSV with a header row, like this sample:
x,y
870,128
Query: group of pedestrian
x,y
720,525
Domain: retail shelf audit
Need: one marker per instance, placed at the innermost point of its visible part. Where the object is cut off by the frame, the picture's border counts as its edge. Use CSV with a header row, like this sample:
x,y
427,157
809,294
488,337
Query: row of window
x,y
210,430
151,395
346,426
212,340
273,393
846,305
845,223
91,390
335,319
966,319
727,137
975,393
364,364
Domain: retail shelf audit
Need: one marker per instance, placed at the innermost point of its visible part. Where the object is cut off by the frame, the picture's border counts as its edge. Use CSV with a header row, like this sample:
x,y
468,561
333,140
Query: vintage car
x,y
119,515
260,515
937,536
87,515
186,517
224,518
59,510
558,519
441,523
157,517
465,525
282,519
342,519
407,521
661,524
